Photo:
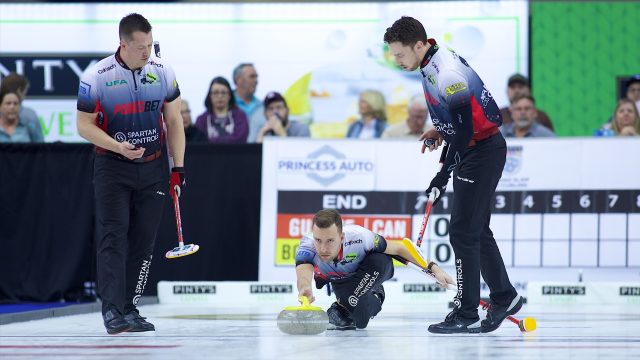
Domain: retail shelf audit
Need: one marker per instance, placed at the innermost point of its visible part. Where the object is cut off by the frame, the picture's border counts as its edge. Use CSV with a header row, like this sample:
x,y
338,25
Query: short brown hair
x,y
14,82
327,217
132,23
523,96
407,30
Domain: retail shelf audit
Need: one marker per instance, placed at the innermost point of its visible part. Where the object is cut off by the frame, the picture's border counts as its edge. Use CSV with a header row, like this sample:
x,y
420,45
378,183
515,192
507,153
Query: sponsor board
x,y
194,289
596,293
270,288
276,296
50,75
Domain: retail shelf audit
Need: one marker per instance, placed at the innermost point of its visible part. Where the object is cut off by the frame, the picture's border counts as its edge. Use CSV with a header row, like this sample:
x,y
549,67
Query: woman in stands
x,y
223,121
12,129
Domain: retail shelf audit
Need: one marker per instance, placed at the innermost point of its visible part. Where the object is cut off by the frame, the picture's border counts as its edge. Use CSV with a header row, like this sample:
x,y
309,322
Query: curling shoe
x,y
339,318
114,322
497,313
456,324
138,323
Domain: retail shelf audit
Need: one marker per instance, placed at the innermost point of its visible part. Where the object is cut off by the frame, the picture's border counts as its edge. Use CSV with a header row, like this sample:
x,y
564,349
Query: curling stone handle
x,y
304,301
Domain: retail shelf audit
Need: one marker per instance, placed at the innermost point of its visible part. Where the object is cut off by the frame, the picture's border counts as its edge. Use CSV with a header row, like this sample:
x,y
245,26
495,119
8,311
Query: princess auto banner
x,y
564,208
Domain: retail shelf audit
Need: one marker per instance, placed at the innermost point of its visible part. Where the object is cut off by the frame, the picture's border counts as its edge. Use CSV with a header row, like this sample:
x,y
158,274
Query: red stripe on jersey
x,y
430,99
481,125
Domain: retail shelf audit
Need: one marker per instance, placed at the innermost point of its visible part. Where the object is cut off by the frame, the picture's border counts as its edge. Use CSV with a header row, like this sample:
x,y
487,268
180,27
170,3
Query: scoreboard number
x,y
528,201
500,202
585,201
445,202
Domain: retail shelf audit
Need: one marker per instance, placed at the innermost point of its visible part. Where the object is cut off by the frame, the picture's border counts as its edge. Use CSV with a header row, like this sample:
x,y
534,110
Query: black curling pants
x,y
354,293
129,204
474,184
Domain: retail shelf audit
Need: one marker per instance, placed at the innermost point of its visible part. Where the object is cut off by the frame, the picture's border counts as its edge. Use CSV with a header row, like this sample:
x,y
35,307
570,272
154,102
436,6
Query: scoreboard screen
x,y
532,229
563,206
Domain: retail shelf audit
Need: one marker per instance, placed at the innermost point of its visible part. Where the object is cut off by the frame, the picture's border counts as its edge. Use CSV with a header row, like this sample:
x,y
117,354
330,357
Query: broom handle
x,y
176,208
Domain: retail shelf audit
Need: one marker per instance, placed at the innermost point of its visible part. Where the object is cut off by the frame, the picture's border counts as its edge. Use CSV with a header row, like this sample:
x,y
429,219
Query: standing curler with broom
x,y
122,101
466,116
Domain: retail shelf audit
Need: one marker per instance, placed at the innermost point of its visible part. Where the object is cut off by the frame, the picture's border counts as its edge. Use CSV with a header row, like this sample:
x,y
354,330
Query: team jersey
x,y
447,80
129,102
357,243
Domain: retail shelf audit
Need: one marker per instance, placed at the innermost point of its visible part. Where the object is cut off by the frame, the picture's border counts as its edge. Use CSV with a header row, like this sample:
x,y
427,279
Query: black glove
x,y
177,182
439,182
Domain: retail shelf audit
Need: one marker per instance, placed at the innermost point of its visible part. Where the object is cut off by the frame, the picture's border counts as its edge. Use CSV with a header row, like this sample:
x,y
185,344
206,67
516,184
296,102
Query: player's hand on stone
x,y
129,151
306,291
431,140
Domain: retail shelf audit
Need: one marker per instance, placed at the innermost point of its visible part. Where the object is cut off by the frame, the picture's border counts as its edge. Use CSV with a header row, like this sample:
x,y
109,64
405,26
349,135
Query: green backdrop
x,y
578,49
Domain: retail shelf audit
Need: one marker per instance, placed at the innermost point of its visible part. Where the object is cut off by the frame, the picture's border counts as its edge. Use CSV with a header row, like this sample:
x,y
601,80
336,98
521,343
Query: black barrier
x,y
46,220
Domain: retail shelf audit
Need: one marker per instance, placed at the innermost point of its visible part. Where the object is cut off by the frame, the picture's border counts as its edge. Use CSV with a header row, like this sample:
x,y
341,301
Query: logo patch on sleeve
x,y
455,88
84,91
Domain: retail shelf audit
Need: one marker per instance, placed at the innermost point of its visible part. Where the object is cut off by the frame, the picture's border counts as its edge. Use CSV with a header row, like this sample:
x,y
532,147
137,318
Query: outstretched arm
x,y
406,250
304,274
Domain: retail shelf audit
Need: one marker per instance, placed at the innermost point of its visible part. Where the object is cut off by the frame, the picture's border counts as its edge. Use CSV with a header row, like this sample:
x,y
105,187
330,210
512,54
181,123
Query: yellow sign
x,y
286,251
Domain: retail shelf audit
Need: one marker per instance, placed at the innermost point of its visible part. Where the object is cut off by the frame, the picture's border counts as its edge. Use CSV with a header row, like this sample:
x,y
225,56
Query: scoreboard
x,y
596,228
562,205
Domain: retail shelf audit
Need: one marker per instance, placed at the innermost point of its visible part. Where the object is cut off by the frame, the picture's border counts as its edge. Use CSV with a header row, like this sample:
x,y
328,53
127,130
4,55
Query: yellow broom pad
x,y
415,253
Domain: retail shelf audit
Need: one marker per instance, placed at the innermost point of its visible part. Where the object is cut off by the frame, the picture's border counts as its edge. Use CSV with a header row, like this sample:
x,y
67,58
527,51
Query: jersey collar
x,y
120,61
432,51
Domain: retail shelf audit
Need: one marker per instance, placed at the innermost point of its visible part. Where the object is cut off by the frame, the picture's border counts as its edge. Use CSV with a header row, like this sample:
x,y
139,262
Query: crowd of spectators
x,y
237,116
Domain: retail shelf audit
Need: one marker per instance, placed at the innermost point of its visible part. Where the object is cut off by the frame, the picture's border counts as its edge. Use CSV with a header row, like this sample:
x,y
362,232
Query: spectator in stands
x,y
633,90
20,85
416,123
525,124
519,85
12,128
373,121
223,121
276,112
245,78
626,121
191,133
